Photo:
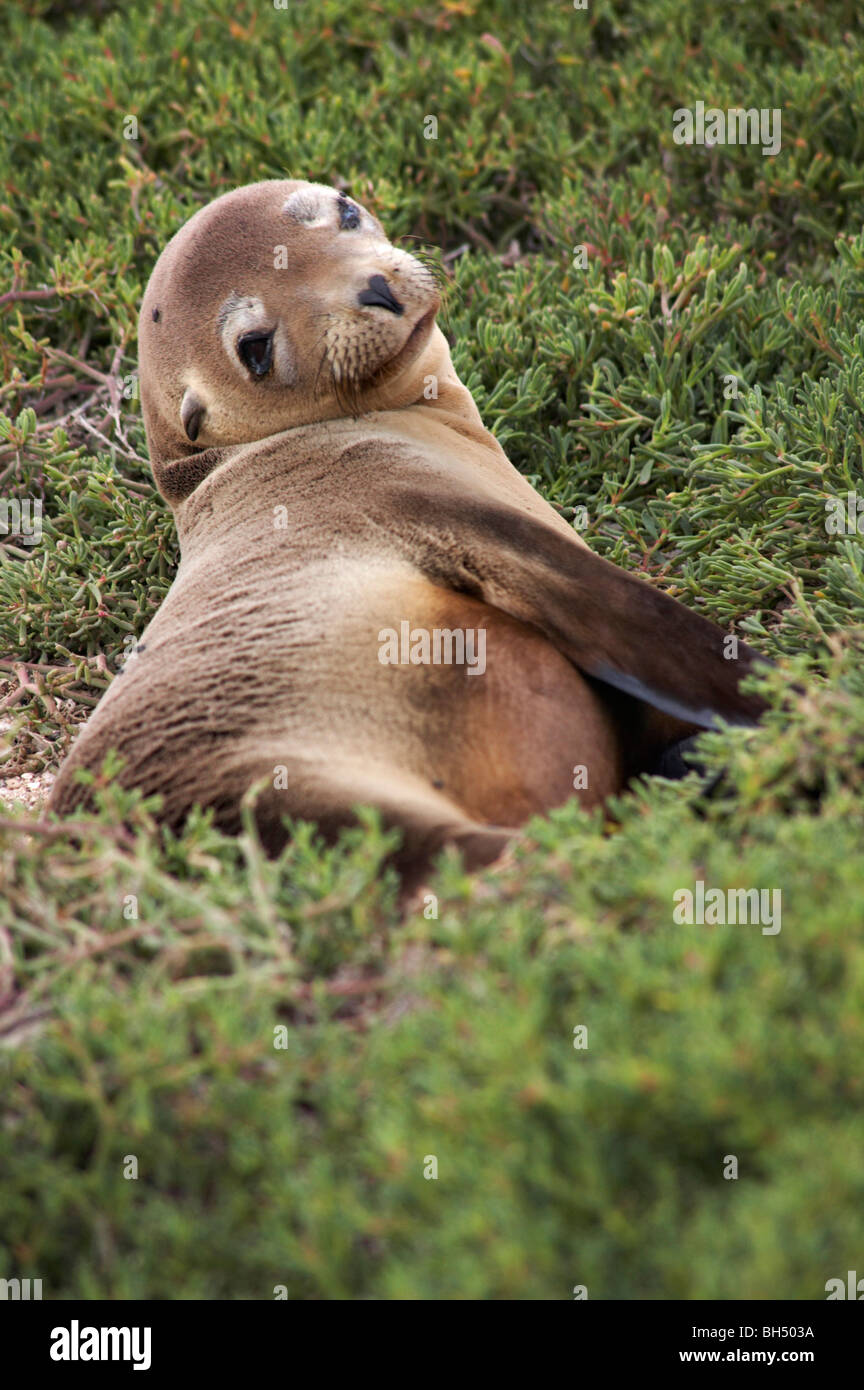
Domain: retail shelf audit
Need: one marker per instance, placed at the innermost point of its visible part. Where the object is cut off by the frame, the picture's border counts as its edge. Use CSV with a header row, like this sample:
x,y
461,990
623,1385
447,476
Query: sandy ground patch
x,y
30,787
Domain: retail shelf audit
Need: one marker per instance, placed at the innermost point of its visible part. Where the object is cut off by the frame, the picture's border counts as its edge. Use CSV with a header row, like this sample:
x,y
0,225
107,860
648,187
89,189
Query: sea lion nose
x,y
379,294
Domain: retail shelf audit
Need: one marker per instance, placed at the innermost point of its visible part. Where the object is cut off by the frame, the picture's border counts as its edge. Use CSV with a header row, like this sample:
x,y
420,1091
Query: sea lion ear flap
x,y
192,412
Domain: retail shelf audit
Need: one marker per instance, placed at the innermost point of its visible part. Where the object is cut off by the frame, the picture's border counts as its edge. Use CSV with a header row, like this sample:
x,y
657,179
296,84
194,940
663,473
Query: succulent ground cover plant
x,y
667,340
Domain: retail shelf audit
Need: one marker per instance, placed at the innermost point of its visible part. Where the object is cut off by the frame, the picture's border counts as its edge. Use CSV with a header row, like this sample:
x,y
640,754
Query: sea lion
x,y
339,503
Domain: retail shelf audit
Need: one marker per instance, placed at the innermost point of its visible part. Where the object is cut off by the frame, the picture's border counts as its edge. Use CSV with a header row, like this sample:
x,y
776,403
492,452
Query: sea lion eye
x,y
255,351
349,216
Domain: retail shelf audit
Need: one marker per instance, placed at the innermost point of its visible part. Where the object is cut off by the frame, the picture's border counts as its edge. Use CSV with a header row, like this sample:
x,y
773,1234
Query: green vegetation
x,y
142,977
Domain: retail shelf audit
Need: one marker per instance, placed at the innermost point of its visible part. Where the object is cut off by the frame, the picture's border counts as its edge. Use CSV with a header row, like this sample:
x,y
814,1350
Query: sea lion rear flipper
x,y
613,626
329,790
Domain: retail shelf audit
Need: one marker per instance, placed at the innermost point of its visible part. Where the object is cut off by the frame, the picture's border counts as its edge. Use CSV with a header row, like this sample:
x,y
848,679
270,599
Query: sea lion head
x,y
280,304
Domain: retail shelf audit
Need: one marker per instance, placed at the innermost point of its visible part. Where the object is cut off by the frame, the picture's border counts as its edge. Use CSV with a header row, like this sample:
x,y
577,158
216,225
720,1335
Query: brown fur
x,y
264,655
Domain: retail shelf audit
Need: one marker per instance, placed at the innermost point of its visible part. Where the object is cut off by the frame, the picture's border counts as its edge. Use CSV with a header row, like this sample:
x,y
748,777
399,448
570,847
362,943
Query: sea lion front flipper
x,y
612,625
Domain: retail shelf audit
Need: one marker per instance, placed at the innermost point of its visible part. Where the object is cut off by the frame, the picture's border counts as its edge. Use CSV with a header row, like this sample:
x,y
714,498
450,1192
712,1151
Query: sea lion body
x,y
425,738
303,545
